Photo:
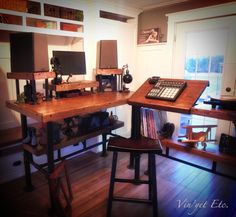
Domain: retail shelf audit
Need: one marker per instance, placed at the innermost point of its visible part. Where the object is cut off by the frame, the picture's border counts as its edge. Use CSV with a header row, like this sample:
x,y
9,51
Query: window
x,y
204,59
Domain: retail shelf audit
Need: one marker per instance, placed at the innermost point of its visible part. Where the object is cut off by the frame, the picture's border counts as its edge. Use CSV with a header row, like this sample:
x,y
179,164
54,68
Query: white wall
x,y
7,88
152,61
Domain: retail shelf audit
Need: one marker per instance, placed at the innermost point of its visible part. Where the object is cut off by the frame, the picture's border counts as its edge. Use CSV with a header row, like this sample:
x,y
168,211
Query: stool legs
x,y
131,161
136,167
152,189
148,173
112,182
153,183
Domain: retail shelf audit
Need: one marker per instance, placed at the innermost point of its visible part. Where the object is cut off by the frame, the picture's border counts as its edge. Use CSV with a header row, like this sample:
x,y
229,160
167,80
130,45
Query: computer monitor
x,y
70,62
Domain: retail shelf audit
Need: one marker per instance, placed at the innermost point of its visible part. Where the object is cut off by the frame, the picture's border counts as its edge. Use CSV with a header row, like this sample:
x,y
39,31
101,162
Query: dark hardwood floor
x,y
182,190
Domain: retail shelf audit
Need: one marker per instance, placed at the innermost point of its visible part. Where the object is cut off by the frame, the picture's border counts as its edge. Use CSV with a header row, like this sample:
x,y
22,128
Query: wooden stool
x,y
135,147
61,193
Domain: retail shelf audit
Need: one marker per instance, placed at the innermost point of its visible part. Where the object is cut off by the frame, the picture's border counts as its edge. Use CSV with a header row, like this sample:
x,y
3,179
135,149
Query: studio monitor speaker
x,y
29,52
108,54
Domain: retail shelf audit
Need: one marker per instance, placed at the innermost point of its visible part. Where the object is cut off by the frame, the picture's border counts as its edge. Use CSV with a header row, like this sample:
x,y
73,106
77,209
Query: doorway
x,y
203,51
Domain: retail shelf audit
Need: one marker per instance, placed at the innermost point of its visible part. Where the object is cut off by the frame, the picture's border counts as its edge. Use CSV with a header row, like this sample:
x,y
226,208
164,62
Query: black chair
x,y
135,147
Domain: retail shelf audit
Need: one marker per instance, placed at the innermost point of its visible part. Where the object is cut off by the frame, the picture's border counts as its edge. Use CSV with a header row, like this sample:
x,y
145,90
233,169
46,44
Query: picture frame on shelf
x,y
149,36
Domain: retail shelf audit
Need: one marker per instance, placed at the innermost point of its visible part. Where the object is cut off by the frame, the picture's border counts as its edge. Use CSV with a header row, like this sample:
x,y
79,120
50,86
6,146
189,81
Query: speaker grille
x,y
29,52
108,54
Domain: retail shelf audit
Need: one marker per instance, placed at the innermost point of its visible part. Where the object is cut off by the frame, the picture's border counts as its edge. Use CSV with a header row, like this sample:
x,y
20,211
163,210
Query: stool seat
x,y
135,147
140,145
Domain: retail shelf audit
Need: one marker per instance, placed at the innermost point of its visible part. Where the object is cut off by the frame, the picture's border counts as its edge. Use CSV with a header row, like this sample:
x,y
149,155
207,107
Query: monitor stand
x,y
80,85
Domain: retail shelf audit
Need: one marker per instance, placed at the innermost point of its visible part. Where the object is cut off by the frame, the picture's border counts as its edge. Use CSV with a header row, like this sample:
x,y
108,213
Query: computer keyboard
x,y
166,90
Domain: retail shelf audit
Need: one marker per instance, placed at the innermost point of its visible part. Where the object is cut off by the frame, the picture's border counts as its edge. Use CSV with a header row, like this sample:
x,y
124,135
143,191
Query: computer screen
x,y
70,62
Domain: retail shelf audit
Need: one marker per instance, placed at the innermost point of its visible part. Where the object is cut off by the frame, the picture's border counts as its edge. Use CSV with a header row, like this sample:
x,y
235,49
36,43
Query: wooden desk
x,y
67,107
185,103
208,111
58,109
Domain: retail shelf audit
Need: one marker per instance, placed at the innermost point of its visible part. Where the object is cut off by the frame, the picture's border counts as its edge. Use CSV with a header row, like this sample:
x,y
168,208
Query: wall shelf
x,y
63,12
10,19
15,5
33,7
41,23
40,17
71,27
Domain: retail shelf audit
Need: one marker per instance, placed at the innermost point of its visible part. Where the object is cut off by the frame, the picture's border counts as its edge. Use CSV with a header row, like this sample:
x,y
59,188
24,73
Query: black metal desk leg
x,y
23,125
137,167
27,156
28,182
84,144
131,161
167,151
135,130
104,144
135,122
213,168
50,158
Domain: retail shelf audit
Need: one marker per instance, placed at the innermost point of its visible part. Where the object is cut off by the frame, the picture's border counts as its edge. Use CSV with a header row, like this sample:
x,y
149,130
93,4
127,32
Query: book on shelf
x,y
151,122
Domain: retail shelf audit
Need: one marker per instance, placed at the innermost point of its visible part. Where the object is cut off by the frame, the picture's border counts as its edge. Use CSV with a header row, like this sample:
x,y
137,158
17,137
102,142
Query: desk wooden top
x,y
208,111
73,85
183,104
30,75
109,71
67,107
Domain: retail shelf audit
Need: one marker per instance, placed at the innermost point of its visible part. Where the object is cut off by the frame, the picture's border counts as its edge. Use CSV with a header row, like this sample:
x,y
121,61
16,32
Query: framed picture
x,y
148,36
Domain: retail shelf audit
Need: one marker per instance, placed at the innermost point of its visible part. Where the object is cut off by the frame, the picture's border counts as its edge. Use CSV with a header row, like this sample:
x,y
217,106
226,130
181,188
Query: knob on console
x,y
153,79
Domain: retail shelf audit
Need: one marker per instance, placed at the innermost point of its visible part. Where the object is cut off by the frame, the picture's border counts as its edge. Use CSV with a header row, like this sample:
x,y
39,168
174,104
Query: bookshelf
x,y
39,17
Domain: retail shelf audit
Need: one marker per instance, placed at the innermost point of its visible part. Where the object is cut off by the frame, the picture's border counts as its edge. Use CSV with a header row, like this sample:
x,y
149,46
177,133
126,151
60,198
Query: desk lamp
x,y
126,78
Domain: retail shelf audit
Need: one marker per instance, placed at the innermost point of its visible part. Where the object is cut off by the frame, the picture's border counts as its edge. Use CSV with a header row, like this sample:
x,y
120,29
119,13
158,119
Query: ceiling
x,y
146,4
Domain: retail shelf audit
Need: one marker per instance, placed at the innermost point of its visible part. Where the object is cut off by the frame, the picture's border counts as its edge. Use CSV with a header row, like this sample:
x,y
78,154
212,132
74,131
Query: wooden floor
x,y
182,191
